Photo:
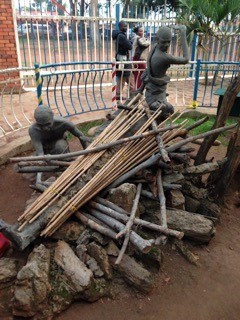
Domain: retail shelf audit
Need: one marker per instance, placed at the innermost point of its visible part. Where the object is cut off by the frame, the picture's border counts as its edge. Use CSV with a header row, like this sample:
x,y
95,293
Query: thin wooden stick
x,y
129,224
158,138
120,214
162,200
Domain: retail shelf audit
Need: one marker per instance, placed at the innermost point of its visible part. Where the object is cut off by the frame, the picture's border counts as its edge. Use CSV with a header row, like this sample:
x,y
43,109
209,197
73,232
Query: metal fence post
x,y
114,85
117,15
195,90
38,83
193,55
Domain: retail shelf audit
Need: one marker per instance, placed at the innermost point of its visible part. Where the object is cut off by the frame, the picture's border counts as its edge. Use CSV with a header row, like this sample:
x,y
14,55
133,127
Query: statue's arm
x,y
144,42
38,146
185,58
77,133
36,141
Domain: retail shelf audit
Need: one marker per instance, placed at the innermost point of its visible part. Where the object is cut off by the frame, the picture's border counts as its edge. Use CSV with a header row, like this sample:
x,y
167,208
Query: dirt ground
x,y
209,291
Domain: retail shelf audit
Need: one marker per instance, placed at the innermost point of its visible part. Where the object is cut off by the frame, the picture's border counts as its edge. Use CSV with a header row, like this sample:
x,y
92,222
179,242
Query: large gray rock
x,y
194,226
197,193
175,199
99,288
69,231
75,270
191,204
100,255
123,196
8,271
32,286
209,209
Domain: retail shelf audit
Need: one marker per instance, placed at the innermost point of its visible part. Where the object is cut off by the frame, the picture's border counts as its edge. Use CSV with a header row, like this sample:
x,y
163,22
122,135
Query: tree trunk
x,y
227,103
230,168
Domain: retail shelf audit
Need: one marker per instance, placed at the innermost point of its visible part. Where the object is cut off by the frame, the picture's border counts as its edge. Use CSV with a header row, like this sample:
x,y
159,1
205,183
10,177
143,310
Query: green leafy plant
x,y
206,126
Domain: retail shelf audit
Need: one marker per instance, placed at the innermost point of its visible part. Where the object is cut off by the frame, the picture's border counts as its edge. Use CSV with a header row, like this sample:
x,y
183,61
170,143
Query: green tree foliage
x,y
156,5
208,16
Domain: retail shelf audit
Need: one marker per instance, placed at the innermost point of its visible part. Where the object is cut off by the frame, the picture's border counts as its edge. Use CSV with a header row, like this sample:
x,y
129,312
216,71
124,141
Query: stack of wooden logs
x,y
154,151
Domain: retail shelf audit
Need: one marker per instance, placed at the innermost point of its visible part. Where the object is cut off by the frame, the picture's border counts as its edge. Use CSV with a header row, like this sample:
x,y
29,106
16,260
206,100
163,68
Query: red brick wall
x,y
8,50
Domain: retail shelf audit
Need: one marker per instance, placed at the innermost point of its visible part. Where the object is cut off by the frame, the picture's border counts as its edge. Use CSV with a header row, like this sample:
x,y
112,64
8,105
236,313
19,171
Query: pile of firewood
x,y
136,187
164,146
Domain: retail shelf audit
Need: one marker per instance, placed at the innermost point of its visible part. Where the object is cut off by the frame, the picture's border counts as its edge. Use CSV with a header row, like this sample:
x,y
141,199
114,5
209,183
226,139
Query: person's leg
x,y
141,67
131,83
118,87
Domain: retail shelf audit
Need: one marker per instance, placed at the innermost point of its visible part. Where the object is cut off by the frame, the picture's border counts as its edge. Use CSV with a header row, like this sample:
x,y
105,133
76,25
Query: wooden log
x,y
227,103
163,165
60,163
193,156
31,163
197,123
140,243
162,200
204,168
180,157
122,215
229,168
35,169
38,187
98,148
215,143
21,239
43,163
86,220
179,144
185,149
151,161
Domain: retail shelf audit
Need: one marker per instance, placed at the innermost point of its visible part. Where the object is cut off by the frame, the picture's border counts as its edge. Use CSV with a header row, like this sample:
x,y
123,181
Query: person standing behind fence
x,y
140,53
123,45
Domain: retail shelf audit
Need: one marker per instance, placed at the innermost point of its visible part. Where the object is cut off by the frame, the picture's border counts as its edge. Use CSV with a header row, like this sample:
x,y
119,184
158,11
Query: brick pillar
x,y
8,49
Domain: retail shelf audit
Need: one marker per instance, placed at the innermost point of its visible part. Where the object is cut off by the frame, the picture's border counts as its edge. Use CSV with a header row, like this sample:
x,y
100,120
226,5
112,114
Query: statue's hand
x,y
180,27
39,178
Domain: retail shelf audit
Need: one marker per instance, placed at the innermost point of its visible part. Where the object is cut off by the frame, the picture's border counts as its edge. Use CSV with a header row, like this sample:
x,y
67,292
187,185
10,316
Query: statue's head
x,y
122,26
164,38
44,117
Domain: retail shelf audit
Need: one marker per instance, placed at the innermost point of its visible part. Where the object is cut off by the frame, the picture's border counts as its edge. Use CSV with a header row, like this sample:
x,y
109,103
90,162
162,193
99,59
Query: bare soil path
x,y
210,291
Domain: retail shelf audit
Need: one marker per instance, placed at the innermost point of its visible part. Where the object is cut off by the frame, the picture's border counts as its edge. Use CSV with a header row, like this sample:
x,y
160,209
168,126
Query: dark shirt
x,y
123,45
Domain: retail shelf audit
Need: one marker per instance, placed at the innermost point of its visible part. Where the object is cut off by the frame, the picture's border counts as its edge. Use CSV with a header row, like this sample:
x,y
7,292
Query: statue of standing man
x,y
159,60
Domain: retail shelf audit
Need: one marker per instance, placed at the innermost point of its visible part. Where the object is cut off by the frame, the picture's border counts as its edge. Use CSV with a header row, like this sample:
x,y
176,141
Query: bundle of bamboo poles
x,y
124,160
